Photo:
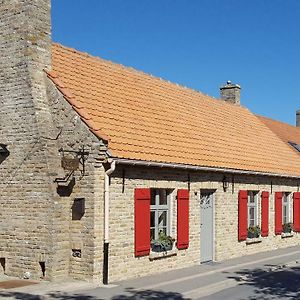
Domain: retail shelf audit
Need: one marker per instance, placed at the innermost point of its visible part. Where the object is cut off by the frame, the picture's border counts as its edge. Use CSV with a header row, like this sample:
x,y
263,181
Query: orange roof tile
x,y
284,131
146,118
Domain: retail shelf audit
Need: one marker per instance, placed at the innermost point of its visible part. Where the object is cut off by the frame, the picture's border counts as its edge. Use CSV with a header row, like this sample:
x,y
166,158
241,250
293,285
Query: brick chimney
x,y
298,118
231,93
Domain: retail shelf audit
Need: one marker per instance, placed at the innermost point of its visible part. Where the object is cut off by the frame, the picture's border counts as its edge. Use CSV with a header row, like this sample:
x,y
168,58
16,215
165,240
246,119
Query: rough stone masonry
x,y
37,234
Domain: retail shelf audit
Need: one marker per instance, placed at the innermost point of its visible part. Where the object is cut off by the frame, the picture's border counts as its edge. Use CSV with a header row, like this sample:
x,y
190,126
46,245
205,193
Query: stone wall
x,y
85,233
123,264
26,198
36,225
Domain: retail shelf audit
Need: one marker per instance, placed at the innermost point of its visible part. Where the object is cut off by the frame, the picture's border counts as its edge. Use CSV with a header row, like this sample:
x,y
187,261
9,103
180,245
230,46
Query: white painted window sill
x,y
158,255
253,240
287,235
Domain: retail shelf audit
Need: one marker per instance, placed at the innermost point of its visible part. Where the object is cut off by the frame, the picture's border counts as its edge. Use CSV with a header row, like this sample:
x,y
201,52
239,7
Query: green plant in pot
x,y
287,227
254,232
162,243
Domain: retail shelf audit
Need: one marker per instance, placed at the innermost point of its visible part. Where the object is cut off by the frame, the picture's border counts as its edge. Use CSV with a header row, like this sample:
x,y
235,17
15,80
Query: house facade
x,y
108,173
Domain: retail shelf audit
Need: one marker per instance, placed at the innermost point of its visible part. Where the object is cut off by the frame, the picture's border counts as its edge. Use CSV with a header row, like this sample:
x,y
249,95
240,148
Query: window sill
x,y
287,235
250,241
159,255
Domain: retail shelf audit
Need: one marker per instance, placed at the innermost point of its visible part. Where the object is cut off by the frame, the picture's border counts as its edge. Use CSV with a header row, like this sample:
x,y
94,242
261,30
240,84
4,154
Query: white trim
x,y
136,162
253,205
288,205
156,207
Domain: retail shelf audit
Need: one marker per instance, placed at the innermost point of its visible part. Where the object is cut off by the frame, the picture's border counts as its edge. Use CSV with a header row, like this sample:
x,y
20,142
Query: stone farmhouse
x,y
107,173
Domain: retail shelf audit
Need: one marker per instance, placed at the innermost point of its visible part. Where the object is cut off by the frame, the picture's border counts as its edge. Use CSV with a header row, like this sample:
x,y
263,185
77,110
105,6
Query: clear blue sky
x,y
197,43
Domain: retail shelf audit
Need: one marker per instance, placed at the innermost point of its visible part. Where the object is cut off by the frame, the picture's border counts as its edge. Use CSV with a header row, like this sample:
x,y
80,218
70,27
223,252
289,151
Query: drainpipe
x,y
106,220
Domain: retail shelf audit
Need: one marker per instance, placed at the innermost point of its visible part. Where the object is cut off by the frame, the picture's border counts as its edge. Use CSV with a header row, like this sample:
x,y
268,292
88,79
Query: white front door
x,y
207,226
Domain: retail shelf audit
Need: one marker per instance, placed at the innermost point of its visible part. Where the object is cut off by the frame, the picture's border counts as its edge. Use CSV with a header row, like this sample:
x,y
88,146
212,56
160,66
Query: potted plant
x,y
287,227
162,243
254,232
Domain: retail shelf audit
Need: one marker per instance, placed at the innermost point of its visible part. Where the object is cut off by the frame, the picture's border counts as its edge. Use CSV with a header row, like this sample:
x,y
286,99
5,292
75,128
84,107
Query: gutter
x,y
106,220
133,162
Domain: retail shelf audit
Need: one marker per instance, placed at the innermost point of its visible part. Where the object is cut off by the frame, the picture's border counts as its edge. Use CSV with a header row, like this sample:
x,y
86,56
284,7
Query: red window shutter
x,y
243,216
278,212
265,214
296,212
142,221
182,219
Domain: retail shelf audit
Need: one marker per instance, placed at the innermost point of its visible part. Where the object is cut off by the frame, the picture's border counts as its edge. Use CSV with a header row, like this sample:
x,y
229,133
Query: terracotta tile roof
x,y
146,118
284,131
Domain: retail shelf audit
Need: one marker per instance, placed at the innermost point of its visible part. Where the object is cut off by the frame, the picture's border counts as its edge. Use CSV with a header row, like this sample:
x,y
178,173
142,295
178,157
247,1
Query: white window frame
x,y
286,203
157,208
254,195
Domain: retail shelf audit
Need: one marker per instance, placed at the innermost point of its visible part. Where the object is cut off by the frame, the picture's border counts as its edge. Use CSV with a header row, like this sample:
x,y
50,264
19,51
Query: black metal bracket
x,y
64,179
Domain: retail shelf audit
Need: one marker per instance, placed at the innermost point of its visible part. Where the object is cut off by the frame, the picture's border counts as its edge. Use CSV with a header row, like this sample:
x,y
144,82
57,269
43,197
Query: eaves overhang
x,y
132,162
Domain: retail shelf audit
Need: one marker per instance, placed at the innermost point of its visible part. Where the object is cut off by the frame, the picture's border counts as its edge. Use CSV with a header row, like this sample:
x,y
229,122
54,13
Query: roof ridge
x,y
178,85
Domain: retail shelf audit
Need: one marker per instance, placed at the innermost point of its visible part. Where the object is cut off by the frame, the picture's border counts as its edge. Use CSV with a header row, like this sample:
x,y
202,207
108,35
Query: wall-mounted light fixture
x,y
225,183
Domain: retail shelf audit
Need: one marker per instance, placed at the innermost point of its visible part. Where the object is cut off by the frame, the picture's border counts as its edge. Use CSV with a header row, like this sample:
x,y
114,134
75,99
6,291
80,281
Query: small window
x,y
159,212
286,208
252,209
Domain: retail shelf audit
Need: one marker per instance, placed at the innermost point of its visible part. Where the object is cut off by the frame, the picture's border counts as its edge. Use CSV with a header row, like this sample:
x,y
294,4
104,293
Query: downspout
x,y
106,220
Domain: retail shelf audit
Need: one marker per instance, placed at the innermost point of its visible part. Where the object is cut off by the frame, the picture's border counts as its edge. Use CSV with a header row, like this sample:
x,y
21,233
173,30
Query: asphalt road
x,y
284,284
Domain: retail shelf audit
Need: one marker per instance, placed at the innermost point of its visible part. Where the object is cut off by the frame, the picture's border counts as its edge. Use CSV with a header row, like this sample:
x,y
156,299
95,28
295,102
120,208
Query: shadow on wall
x,y
282,283
132,294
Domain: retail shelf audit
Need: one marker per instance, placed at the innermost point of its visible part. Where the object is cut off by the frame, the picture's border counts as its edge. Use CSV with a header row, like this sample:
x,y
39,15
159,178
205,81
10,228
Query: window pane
x,y
162,218
284,197
152,219
284,211
152,234
162,197
251,213
153,192
251,200
162,229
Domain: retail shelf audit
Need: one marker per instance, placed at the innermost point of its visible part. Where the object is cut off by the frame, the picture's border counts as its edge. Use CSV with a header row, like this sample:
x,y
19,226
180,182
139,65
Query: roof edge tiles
x,y
76,106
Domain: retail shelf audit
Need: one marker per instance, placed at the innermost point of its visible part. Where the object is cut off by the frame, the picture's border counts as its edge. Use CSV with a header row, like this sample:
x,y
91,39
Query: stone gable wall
x,y
85,234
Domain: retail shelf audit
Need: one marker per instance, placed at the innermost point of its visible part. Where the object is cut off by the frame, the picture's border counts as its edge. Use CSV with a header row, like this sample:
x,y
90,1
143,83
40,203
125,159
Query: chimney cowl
x,y
231,92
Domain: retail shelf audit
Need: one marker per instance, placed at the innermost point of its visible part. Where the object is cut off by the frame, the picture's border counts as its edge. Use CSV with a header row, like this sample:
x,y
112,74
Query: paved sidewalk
x,y
190,283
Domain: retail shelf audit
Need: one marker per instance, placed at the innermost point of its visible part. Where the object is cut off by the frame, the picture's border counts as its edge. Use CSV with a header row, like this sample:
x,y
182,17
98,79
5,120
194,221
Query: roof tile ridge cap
x,y
132,69
84,116
148,75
